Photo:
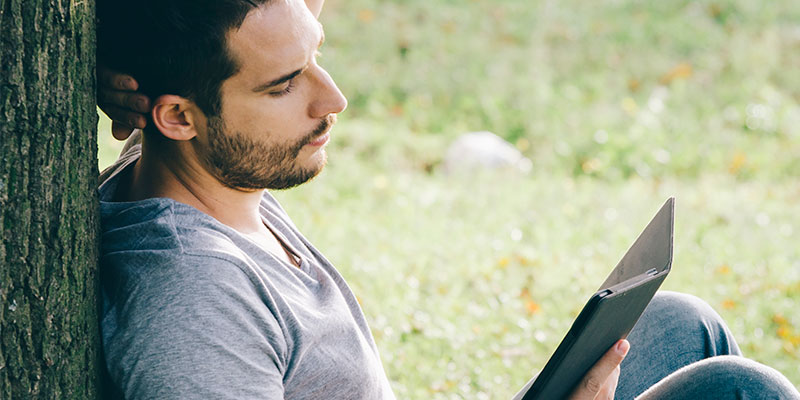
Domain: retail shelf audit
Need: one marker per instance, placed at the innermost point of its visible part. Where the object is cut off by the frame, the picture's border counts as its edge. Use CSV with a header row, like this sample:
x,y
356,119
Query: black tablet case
x,y
612,311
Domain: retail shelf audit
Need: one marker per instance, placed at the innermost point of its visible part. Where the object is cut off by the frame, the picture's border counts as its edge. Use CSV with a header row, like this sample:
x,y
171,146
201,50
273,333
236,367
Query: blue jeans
x,y
682,349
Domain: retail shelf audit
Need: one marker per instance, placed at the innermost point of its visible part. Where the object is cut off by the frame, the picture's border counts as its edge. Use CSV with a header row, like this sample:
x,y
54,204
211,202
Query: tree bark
x,y
49,336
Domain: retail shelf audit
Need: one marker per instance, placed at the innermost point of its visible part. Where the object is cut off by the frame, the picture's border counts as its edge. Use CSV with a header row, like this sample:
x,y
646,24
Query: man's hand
x,y
600,383
118,98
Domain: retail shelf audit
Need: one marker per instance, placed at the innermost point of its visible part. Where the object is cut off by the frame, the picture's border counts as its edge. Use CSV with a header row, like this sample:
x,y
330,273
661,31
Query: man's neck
x,y
174,170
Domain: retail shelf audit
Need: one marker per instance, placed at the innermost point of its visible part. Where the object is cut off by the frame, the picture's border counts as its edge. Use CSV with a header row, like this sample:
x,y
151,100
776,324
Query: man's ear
x,y
176,117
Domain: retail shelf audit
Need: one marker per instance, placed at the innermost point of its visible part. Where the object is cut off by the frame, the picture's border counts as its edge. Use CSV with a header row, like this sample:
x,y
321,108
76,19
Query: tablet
x,y
612,311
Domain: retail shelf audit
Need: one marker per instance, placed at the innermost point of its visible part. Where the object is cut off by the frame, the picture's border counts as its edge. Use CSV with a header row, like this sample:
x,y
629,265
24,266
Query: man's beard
x,y
242,163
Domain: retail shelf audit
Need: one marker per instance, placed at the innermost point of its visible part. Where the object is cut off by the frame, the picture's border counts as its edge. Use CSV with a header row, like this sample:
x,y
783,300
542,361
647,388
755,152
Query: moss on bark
x,y
49,339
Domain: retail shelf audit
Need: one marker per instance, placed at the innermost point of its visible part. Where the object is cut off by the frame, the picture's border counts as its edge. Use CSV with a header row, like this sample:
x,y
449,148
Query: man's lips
x,y
321,135
320,140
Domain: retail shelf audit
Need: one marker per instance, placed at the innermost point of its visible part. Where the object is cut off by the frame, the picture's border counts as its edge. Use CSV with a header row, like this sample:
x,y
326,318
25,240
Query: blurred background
x,y
470,276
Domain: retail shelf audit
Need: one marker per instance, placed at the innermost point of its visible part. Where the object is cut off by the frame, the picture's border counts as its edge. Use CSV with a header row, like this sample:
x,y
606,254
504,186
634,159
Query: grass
x,y
469,282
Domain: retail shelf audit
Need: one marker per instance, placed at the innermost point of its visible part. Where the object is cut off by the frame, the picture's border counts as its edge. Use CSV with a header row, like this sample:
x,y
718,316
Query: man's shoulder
x,y
158,223
160,260
158,227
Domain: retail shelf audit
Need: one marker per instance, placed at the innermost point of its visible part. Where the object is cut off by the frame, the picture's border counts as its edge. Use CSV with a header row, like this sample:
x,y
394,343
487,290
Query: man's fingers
x,y
124,117
120,131
116,81
130,100
610,387
117,97
596,380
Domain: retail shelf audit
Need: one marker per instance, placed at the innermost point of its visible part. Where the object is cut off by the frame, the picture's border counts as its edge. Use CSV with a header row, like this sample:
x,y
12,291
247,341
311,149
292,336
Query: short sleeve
x,y
189,328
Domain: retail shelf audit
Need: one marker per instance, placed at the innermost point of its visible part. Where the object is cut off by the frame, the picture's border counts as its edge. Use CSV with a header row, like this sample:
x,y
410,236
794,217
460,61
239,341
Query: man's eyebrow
x,y
276,82
289,76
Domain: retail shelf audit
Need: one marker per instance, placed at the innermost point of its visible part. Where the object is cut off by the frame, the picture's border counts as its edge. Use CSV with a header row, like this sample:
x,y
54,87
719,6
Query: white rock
x,y
483,151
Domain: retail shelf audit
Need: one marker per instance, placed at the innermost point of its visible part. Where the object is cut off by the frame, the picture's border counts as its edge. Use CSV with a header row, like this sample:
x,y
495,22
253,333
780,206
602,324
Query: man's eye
x,y
284,91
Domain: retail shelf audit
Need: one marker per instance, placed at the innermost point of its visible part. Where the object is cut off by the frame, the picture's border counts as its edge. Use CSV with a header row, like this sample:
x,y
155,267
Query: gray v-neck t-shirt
x,y
192,309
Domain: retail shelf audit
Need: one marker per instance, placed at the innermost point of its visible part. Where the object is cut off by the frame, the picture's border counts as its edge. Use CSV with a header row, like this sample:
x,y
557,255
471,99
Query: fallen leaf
x,y
449,27
728,304
532,307
715,10
739,160
629,106
724,269
783,332
634,84
590,165
503,262
366,15
681,71
523,144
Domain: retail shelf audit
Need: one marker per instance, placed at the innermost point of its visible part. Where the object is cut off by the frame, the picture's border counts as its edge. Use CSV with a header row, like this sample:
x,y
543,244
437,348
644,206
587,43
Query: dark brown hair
x,y
172,46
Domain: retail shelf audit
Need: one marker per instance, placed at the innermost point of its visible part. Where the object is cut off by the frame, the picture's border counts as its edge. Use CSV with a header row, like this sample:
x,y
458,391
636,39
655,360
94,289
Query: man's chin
x,y
300,175
284,178
294,180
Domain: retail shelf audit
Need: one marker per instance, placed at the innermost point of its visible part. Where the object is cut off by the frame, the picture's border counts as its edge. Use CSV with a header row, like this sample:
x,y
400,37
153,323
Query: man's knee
x,y
724,377
686,318
682,307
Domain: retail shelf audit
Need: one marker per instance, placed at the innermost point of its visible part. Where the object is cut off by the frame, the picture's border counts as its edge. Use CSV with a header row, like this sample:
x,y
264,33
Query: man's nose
x,y
329,99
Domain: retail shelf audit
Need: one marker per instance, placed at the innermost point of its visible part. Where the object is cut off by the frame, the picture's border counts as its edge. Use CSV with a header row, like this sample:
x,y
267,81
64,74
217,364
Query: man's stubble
x,y
243,163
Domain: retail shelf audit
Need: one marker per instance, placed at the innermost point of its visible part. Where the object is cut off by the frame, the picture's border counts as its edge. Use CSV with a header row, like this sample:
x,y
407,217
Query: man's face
x,y
277,110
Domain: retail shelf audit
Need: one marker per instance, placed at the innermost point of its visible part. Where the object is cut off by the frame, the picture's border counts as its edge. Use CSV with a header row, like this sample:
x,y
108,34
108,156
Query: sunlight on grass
x,y
470,282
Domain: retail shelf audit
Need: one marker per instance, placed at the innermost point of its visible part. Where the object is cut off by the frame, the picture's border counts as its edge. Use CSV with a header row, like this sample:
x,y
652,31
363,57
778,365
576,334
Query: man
x,y
209,290
208,287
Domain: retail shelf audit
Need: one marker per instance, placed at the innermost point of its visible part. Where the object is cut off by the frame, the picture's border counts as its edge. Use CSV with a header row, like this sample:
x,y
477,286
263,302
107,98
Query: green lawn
x,y
469,282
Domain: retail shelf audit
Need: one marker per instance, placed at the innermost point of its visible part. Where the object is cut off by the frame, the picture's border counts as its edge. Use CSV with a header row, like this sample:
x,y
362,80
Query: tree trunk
x,y
49,336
